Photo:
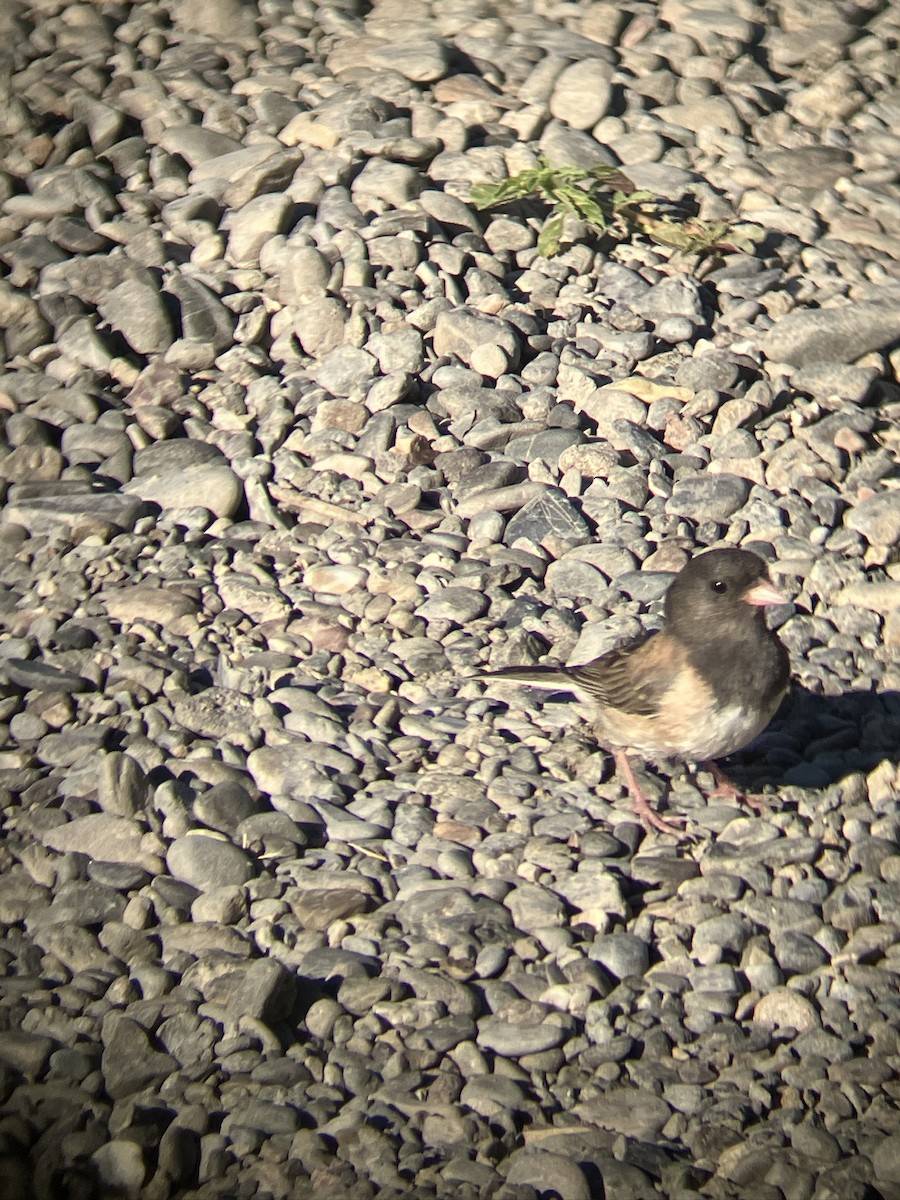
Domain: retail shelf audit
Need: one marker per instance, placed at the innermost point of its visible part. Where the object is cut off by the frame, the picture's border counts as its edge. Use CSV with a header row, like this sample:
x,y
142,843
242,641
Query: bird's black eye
x,y
719,586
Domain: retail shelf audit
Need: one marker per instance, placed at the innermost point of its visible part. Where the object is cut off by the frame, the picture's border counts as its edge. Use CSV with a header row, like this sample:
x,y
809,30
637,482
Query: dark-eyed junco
x,y
700,688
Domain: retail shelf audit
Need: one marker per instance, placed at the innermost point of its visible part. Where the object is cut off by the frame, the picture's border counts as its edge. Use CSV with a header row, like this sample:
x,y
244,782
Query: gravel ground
x,y
295,443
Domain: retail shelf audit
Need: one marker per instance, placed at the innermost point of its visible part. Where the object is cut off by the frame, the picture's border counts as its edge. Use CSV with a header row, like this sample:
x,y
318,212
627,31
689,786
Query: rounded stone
x,y
549,1174
784,1008
207,862
708,497
877,518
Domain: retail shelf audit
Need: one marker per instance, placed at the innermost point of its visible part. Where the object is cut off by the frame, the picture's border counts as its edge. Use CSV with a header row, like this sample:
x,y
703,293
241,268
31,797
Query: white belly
x,y
695,736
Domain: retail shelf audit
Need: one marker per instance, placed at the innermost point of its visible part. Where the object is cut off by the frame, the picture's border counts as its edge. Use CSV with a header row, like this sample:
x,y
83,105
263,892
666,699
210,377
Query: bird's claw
x,y
729,791
651,821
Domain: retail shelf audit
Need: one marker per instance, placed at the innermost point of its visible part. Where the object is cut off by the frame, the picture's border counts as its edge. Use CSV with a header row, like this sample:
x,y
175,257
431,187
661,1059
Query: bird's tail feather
x,y
537,675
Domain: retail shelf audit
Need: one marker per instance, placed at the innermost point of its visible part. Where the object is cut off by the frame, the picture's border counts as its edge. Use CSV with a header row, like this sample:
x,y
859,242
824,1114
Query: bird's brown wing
x,y
635,678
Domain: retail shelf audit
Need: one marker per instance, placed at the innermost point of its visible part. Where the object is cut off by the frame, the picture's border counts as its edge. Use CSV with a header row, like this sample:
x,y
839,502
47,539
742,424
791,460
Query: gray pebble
x,y
622,954
877,518
136,310
206,862
582,93
107,838
835,335
709,497
676,297
42,676
512,1039
457,604
547,1172
120,1167
547,519
124,1071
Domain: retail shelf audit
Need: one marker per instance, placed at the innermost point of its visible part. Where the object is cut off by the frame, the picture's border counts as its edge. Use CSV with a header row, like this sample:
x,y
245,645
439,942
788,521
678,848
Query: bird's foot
x,y
649,818
730,791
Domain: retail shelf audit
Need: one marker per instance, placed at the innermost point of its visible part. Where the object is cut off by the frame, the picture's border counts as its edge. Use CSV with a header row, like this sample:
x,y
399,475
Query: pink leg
x,y
649,819
725,787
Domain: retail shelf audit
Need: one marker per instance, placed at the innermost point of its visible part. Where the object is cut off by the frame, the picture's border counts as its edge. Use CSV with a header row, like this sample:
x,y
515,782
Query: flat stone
x,y
271,173
290,769
159,385
462,332
76,515
26,1052
622,954
255,224
76,948
20,896
29,463
459,604
548,446
395,184
344,826
317,908
104,837
197,144
420,61
450,210
632,1112
129,1062
882,597
81,902
204,318
810,336
334,580
163,606
221,714
43,677
261,601
548,1173
595,894
548,516
678,296
320,326
886,1158
345,371
713,112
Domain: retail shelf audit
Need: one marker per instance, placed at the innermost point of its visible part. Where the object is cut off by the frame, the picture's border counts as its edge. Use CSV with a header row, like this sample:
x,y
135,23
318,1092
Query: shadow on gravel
x,y
817,740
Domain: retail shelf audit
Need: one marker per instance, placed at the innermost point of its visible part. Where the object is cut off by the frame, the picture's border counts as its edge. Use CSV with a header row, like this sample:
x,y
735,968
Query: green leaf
x,y
549,239
630,199
489,195
603,171
568,198
593,213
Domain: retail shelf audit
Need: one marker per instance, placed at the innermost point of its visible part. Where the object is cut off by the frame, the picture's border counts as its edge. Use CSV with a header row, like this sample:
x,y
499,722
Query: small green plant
x,y
605,200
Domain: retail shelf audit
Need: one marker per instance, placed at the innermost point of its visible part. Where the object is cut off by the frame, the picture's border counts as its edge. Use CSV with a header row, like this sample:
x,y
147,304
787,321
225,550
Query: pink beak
x,y
764,593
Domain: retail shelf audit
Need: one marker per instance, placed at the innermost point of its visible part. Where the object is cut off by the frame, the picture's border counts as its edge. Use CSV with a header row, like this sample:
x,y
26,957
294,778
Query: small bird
x,y
700,688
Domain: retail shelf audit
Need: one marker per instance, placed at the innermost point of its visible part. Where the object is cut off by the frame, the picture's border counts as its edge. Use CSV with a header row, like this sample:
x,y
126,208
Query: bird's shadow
x,y
815,740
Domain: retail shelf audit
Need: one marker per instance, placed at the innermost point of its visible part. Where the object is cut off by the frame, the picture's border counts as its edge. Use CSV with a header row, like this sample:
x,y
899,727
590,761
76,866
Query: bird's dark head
x,y
721,587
